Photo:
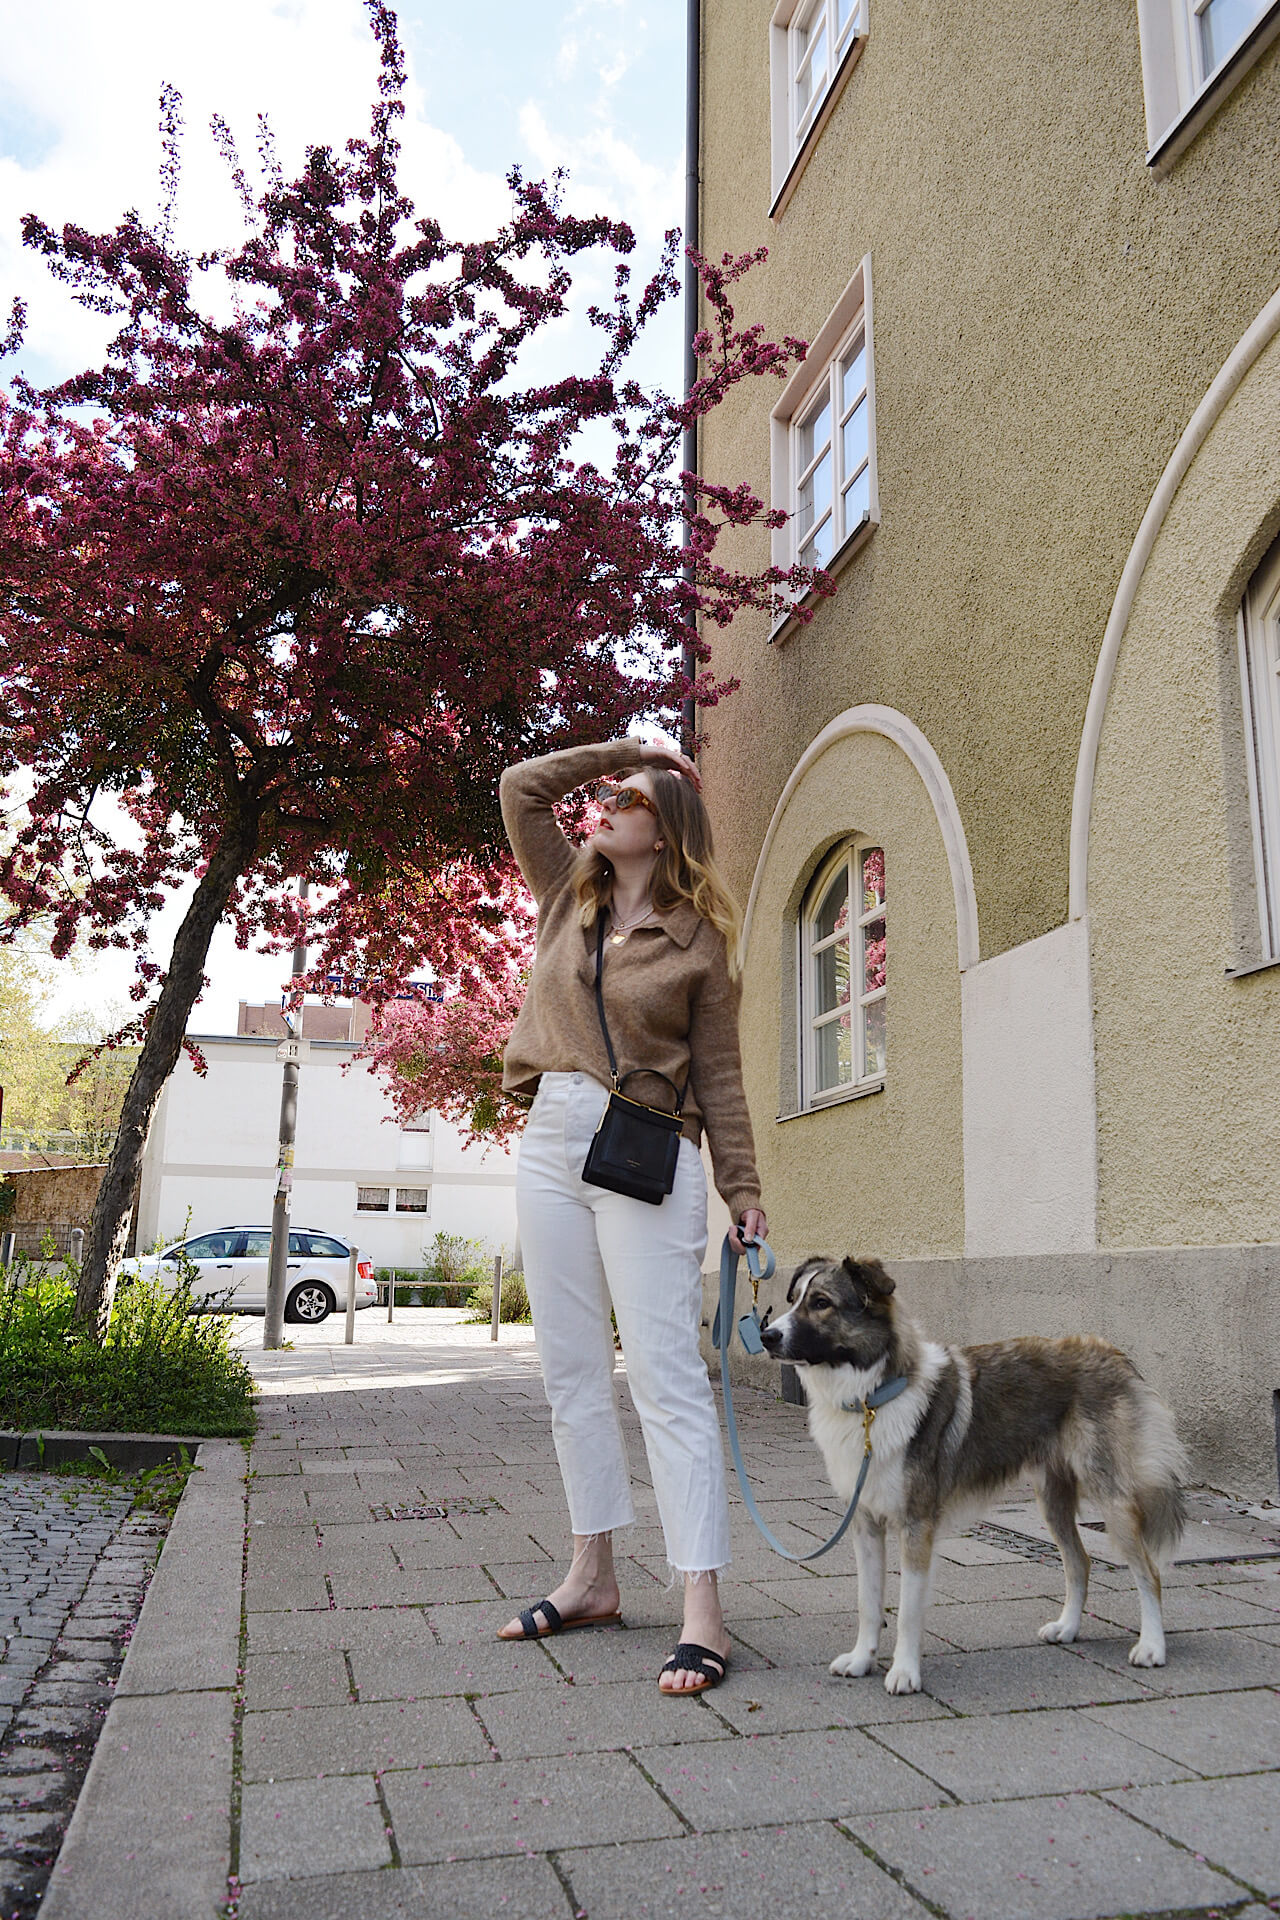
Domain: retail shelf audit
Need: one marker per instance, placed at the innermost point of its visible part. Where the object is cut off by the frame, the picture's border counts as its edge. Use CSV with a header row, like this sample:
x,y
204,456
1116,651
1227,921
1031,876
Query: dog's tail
x,y
1161,1468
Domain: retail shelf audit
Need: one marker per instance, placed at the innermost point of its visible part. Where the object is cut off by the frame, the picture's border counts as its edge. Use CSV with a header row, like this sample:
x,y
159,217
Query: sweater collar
x,y
680,922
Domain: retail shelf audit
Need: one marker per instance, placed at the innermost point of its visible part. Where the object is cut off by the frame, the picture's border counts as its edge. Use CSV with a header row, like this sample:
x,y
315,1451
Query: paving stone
x,y
428,1587
1005,1623
457,1812
296,1680
607,1716
1017,1581
624,1653
811,1698
432,1671
1186,1609
1058,1859
359,1738
813,1641
795,1776
1004,1680
316,1629
1008,1756
1232,1824
514,1889
772,1873
311,1827
1214,1733
1197,1663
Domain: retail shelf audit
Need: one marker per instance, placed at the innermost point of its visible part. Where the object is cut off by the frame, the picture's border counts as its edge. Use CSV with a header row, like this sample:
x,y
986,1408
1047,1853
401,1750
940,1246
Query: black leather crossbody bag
x,y
634,1149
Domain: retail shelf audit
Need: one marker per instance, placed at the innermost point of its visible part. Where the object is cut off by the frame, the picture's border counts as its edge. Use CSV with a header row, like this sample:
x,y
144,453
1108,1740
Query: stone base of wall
x,y
1201,1323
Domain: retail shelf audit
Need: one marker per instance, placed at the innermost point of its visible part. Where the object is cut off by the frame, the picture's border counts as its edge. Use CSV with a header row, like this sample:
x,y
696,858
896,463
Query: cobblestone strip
x,y
74,1567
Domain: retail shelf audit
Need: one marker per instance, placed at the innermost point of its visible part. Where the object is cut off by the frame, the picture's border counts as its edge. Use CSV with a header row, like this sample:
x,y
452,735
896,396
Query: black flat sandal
x,y
689,1657
556,1622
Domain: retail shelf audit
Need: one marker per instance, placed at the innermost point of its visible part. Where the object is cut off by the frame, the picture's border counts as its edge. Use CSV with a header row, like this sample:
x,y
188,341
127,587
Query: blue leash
x,y
749,1333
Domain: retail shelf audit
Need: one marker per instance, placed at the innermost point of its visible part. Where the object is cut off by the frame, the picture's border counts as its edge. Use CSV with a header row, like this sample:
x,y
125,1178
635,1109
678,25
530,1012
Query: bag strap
x,y
679,1092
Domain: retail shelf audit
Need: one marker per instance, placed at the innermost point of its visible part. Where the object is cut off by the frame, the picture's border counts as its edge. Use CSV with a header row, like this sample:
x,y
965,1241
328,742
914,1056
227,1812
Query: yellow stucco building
x,y
1007,810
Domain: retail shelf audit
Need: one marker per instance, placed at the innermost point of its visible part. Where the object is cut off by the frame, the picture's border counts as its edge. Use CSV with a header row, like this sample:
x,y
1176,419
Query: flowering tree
x,y
297,571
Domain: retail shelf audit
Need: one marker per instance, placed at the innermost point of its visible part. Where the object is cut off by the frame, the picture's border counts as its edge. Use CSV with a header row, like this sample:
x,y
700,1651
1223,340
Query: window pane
x,y
856,499
325,1247
210,1246
411,1199
853,378
811,65
872,878
815,495
817,551
1223,25
846,10
873,956
834,1053
833,912
257,1245
373,1199
814,435
873,1033
831,978
854,436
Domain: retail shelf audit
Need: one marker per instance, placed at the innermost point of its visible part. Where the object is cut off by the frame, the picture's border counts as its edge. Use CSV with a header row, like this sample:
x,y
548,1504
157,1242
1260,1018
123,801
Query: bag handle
x,y
618,1084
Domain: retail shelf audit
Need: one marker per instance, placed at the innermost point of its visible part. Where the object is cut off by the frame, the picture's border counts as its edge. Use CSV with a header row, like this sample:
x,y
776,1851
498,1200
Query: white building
x,y
213,1146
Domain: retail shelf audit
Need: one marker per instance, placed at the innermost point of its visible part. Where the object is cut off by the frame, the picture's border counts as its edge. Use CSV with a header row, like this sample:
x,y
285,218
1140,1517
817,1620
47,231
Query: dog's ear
x,y
869,1275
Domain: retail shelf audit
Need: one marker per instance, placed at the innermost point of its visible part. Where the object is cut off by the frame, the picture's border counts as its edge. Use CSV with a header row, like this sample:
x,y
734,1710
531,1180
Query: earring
x,y
657,846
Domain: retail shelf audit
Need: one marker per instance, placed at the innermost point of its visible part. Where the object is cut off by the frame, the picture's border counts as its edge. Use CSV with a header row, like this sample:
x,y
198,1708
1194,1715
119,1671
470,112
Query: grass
x,y
162,1368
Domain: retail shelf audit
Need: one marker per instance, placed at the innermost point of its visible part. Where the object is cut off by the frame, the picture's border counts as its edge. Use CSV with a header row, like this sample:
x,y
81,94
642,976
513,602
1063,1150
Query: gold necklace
x,y
623,929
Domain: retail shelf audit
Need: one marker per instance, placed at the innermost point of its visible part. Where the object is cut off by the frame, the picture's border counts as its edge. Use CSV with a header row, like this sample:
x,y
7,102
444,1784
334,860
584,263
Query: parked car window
x,y
211,1246
254,1245
325,1247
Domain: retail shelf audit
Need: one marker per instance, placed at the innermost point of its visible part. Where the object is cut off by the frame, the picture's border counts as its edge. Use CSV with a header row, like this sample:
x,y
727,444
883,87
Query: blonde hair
x,y
685,868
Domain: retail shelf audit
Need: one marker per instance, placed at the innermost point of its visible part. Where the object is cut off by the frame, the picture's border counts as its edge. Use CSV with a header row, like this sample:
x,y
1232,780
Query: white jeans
x,y
585,1249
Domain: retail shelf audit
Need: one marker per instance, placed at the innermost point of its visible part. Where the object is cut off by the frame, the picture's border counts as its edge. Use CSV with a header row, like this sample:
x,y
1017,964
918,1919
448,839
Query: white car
x,y
231,1271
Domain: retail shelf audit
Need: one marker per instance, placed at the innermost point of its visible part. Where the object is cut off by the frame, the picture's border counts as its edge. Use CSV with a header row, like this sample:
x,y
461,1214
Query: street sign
x,y
295,1051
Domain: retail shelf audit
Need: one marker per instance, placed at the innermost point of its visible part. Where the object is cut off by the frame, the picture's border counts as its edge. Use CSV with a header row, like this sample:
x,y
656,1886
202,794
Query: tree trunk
x,y
109,1226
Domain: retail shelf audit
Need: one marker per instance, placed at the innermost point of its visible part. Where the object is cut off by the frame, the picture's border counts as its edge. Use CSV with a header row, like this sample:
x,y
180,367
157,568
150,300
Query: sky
x,y
594,86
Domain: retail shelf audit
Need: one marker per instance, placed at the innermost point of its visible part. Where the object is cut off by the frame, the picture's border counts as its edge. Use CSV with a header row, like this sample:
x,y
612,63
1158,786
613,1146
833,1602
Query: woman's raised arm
x,y
529,793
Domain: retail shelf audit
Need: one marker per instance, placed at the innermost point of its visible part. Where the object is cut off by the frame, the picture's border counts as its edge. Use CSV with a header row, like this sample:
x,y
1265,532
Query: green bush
x,y
515,1301
163,1368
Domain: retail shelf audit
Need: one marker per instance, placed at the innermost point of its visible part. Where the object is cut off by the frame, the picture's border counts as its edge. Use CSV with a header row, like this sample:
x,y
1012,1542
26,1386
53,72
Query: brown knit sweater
x,y
668,998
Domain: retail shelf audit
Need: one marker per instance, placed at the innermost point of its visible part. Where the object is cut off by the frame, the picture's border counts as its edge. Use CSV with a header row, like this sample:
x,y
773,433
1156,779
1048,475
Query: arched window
x,y
842,975
1260,677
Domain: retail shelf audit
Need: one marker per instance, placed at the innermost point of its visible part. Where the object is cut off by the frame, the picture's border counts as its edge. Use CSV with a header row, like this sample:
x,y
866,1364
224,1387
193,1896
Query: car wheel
x,y
311,1302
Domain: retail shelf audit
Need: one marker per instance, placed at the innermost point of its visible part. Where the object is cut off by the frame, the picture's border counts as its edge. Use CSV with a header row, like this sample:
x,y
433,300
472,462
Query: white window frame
x,y
372,1188
1180,95
1259,634
848,322
424,1193
849,855
794,134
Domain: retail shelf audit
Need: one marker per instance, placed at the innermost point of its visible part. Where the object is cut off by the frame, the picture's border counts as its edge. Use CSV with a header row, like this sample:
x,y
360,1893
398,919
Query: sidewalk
x,y
393,1759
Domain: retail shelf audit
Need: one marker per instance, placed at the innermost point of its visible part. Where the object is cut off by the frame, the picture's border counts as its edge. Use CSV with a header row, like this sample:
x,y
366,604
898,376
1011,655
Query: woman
x,y
671,1001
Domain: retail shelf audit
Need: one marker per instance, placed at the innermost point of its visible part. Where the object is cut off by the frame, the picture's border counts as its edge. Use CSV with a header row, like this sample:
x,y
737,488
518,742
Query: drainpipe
x,y
692,155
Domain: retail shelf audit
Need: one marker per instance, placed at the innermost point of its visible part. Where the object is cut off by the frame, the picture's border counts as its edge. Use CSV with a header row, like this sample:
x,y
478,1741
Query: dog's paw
x,y
1059,1632
1145,1655
852,1665
902,1678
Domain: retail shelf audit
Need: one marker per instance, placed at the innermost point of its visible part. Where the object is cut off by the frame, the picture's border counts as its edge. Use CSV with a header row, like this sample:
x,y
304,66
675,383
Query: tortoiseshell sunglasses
x,y
624,798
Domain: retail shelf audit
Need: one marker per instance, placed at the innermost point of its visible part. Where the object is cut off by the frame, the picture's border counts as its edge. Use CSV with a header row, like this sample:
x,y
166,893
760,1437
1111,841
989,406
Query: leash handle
x,y
761,1265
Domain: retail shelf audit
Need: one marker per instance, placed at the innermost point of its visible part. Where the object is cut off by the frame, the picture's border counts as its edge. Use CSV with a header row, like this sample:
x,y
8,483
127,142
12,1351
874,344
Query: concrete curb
x,y
154,1812
63,1446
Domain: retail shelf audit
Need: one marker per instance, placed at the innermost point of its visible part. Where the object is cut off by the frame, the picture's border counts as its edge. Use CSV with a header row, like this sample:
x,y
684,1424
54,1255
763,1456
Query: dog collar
x,y
887,1390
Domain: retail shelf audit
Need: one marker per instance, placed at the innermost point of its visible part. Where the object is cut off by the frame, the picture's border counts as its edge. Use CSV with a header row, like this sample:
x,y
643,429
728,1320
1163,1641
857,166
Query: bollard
x,y
352,1263
8,1241
496,1312
77,1245
391,1294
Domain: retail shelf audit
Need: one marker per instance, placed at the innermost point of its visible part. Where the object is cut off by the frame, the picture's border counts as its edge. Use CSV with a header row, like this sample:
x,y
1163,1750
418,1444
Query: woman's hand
x,y
752,1226
656,753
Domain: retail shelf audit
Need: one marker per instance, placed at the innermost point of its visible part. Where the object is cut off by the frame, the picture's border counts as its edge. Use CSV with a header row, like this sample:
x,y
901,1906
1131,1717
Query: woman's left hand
x,y
752,1226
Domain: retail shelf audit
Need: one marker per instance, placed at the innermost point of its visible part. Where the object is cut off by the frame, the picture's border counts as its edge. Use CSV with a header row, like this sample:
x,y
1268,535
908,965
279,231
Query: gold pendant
x,y
618,939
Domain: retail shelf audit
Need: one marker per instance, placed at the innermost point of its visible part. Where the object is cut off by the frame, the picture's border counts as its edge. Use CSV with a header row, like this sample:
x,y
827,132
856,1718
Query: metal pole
x,y
692,296
351,1294
273,1319
8,1241
391,1295
77,1244
496,1311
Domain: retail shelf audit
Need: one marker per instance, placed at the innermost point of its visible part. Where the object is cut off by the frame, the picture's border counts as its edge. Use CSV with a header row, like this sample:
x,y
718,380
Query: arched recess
x,y
1233,371
906,735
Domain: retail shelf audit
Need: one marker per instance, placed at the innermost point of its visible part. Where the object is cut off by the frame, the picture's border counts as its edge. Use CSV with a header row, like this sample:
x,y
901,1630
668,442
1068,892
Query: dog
x,y
1073,1413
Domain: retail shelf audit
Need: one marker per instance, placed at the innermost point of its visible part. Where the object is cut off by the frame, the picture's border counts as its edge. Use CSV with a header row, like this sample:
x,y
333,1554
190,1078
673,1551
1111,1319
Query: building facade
x,y
211,1155
1006,811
